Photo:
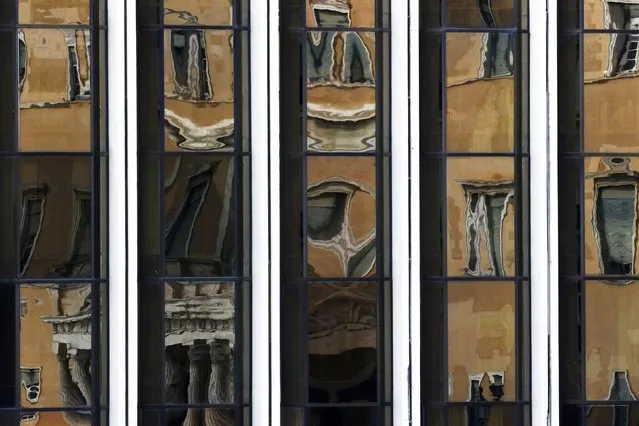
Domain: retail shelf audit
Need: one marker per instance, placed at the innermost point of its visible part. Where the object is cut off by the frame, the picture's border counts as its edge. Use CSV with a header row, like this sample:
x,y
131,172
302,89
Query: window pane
x,y
194,209
53,185
474,195
335,200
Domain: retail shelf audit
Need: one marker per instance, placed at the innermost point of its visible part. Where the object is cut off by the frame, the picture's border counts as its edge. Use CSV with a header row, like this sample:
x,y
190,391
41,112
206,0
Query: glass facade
x,y
475,293
335,200
319,212
53,256
194,208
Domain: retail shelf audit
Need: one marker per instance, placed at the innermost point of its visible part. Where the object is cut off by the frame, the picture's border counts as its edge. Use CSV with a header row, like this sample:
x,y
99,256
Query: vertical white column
x,y
120,250
540,170
553,214
265,194
414,215
401,277
130,44
274,203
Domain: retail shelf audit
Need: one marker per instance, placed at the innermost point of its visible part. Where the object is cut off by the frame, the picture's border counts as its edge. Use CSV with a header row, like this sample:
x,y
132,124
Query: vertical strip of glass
x,y
597,157
194,206
335,197
474,176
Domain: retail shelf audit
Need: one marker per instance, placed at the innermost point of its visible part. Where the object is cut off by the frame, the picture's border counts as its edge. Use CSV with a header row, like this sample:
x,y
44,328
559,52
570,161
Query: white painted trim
x,y
130,43
119,356
260,226
400,243
414,216
553,217
273,78
540,26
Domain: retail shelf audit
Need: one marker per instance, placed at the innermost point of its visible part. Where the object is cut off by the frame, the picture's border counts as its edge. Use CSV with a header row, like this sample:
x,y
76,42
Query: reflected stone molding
x,y
201,318
193,137
342,317
31,380
341,136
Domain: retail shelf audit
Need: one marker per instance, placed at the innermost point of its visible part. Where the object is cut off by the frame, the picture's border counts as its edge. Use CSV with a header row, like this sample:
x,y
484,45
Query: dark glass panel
x,y
482,355
571,341
483,414
55,91
341,216
60,246
200,216
56,346
344,416
197,416
342,342
8,43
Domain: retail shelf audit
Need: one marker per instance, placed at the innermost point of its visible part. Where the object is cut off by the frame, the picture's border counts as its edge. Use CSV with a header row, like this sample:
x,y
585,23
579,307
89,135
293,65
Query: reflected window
x,y
624,46
30,224
328,224
615,216
351,64
619,391
181,227
497,55
190,64
22,59
78,85
486,209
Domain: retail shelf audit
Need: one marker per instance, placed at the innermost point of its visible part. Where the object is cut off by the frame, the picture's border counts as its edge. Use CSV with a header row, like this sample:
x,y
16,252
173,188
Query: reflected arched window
x,y
623,46
190,64
615,226
32,212
486,208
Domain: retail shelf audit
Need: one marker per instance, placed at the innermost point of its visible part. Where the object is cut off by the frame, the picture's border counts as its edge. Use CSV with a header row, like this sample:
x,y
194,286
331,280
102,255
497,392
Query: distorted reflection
x,y
481,341
198,82
619,392
65,12
481,222
341,217
341,83
480,108
486,206
611,203
199,361
342,343
199,209
56,351
55,217
178,12
55,89
480,13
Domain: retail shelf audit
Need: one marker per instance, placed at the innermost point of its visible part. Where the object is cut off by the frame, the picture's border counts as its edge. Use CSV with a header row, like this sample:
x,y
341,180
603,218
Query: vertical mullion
x,y
414,214
542,213
122,251
262,222
400,203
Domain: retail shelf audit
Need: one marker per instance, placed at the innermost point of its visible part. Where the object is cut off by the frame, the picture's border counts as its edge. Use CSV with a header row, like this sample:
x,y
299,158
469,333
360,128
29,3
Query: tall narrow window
x,y
475,318
194,213
53,256
335,176
598,172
